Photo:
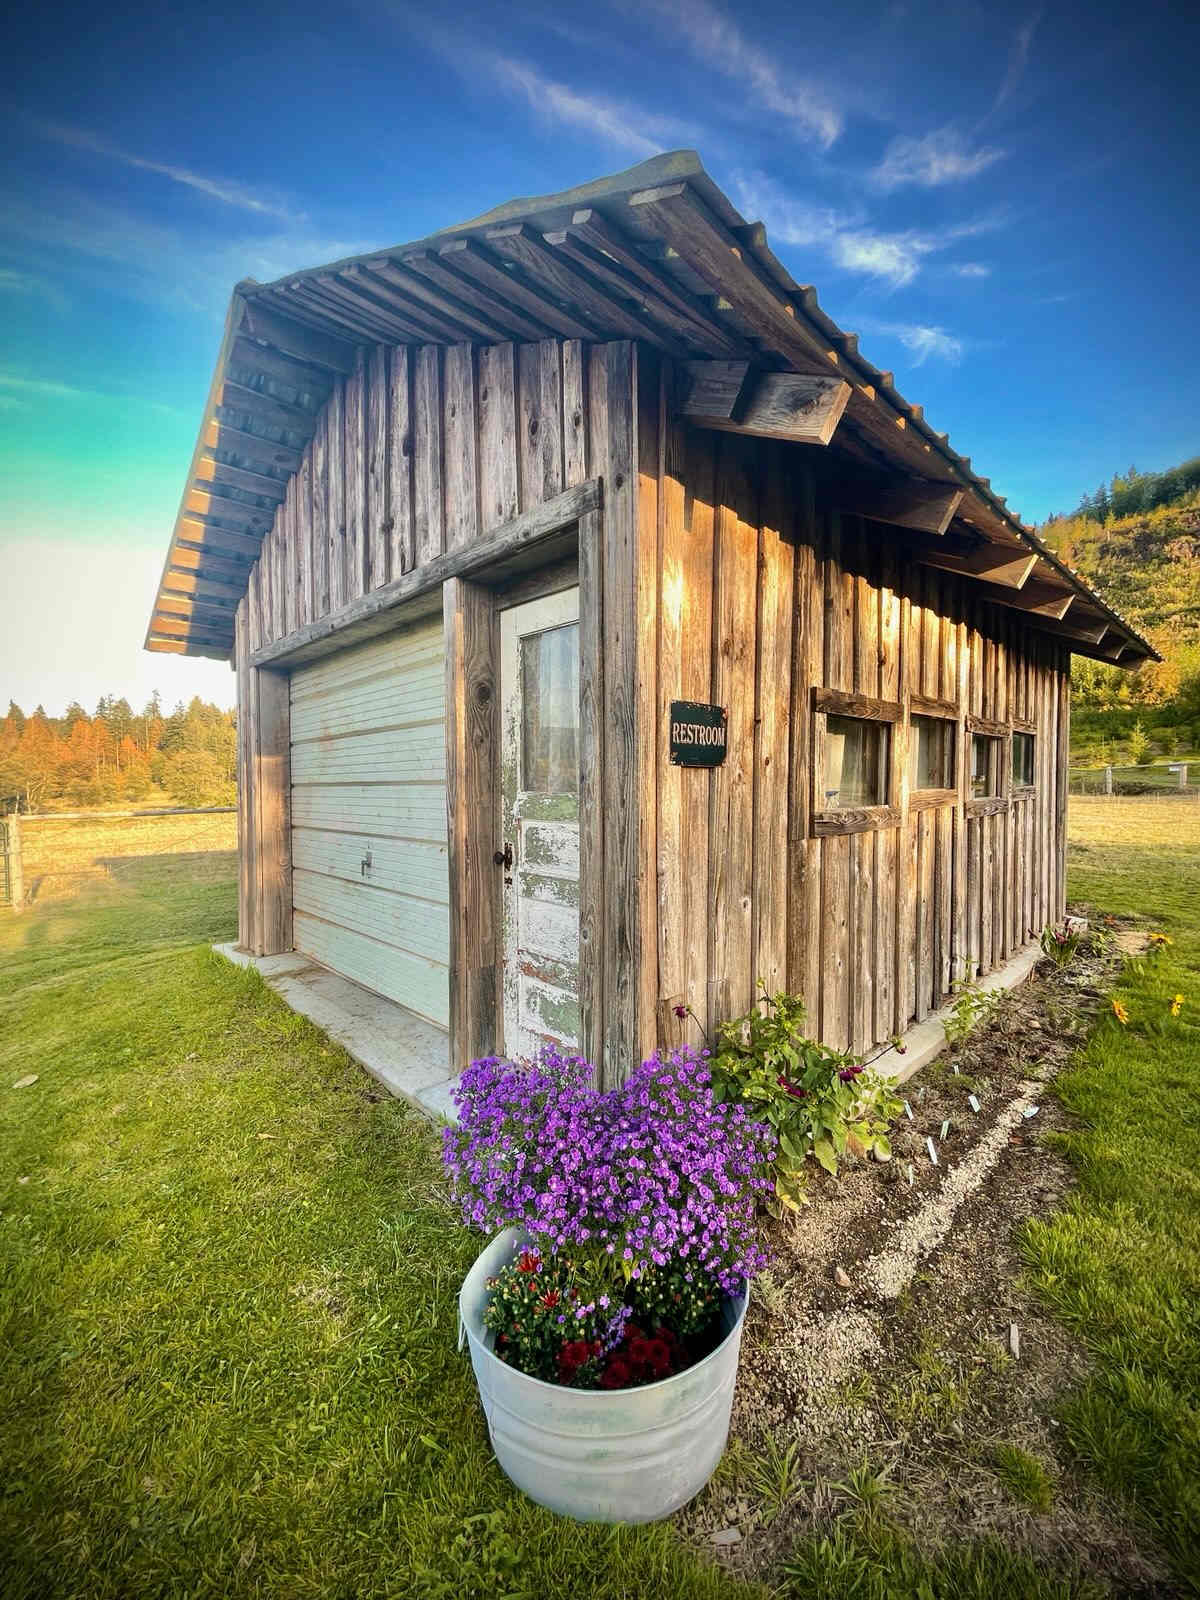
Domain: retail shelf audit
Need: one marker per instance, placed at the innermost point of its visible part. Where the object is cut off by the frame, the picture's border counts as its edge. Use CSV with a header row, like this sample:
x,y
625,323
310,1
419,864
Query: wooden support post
x,y
271,760
472,819
16,876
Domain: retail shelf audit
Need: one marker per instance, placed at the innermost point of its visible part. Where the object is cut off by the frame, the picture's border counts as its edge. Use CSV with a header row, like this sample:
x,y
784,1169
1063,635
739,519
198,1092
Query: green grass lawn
x,y
1121,1264
228,1279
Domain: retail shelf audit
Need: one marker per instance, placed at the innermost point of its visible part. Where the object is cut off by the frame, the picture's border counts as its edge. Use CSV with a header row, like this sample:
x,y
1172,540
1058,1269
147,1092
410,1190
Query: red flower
x,y
528,1261
550,1299
617,1374
574,1355
794,1089
681,1012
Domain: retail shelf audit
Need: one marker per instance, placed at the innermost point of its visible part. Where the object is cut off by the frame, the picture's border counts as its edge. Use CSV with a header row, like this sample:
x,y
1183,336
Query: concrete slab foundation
x,y
407,1055
410,1056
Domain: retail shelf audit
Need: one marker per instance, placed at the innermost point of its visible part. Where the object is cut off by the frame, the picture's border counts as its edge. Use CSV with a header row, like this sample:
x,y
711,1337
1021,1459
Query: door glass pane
x,y
855,763
550,711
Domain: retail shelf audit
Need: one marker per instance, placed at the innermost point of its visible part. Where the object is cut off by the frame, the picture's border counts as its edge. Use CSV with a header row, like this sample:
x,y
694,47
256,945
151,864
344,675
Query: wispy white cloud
x,y
940,157
642,132
1018,60
848,239
922,340
971,269
33,286
159,263
228,191
717,40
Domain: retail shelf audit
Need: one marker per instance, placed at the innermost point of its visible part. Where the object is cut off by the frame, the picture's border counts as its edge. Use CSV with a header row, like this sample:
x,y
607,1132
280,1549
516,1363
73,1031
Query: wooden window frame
x,y
1022,791
863,708
920,705
988,805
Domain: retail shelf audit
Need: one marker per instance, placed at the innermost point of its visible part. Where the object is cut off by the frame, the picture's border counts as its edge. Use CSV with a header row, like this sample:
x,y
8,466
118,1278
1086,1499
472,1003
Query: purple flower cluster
x,y
653,1171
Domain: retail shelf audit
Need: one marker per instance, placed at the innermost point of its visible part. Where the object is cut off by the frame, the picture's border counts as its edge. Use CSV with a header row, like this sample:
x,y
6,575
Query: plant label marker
x,y
920,1094
932,1148
945,1129
956,1069
973,1103
908,1111
910,1175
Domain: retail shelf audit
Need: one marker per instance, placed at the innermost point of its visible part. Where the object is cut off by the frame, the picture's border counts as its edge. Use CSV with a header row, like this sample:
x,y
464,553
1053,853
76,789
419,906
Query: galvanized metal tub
x,y
621,1455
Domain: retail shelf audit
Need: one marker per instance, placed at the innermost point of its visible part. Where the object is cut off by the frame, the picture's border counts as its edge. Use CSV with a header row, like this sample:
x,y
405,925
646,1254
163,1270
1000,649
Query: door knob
x,y
504,858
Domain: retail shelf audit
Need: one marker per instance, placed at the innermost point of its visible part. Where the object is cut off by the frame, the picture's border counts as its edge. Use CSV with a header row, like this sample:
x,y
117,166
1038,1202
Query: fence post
x,y
16,880
1108,780
1183,774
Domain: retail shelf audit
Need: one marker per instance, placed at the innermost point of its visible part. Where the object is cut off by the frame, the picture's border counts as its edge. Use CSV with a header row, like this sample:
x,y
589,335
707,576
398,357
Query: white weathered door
x,y
539,685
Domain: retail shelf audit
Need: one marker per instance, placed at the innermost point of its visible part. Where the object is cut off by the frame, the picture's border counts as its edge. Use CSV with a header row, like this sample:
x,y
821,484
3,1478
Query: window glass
x,y
550,711
931,753
855,772
985,766
1022,760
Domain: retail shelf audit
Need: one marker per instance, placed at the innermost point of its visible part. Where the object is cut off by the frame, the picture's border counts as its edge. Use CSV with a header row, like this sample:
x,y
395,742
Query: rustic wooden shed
x,y
490,523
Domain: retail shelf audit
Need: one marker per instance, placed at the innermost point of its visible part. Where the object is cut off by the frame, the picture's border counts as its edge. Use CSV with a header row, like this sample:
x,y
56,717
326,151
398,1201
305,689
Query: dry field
x,y
62,856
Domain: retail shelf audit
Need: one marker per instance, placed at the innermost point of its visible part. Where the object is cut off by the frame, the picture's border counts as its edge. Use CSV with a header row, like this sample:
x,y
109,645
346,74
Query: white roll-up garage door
x,y
369,874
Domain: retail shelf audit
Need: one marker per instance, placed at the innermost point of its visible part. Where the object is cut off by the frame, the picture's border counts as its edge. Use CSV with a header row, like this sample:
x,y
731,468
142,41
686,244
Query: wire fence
x,y
1172,779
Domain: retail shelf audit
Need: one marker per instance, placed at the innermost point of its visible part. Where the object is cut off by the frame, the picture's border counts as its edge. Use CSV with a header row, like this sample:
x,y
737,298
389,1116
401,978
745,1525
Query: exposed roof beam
x,y
498,310
210,470
567,281
1005,565
410,279
200,532
774,405
239,397
431,327
903,502
259,452
469,260
210,508
1038,598
191,584
294,339
594,230
246,355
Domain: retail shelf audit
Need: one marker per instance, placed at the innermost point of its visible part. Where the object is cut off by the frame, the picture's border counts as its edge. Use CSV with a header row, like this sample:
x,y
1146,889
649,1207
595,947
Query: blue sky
x,y
1001,200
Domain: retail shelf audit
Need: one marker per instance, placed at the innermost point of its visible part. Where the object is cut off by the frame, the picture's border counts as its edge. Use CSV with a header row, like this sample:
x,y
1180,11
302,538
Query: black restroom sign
x,y
697,734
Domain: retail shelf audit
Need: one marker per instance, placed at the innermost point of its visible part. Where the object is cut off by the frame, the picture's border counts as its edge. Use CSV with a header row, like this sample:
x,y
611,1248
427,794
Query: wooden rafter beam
x,y
243,400
356,295
177,605
430,326
191,627
191,584
501,287
223,541
210,471
1005,565
916,503
292,338
257,453
217,509
247,356
499,311
408,277
596,231
1039,598
733,397
567,281
207,565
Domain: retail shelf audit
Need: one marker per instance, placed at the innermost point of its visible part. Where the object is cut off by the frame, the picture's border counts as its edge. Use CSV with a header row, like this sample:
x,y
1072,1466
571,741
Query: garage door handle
x,y
504,858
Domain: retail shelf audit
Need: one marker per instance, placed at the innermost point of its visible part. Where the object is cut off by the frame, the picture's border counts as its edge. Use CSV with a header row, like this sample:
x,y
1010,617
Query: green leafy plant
x,y
1060,942
821,1103
1025,1476
973,1007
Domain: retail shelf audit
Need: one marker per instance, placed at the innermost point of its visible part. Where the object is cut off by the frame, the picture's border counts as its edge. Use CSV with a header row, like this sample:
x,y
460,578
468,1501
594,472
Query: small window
x,y
1022,760
985,766
931,753
855,765
550,711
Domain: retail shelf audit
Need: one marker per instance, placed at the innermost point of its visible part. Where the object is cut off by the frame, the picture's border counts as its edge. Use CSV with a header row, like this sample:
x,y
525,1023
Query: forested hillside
x,y
1138,540
187,757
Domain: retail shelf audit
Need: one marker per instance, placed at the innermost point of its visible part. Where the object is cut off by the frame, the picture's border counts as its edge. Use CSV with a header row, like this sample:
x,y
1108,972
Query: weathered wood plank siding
x,y
765,594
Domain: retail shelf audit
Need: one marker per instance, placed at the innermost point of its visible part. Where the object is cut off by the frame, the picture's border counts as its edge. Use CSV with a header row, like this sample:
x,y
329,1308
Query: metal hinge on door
x,y
365,865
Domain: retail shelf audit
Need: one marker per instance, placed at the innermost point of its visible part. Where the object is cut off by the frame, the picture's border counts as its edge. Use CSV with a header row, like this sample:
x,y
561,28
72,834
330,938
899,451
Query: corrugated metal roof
x,y
656,253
